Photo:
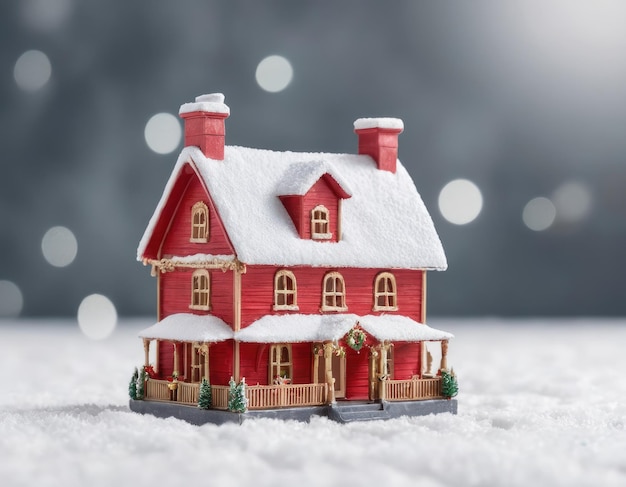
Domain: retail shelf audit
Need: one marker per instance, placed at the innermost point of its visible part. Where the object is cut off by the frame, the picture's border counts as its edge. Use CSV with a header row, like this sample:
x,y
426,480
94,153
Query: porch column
x,y
146,351
444,355
205,351
175,368
328,365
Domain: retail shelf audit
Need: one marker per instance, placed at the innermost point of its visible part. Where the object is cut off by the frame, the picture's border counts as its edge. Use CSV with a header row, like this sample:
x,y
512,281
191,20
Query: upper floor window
x,y
281,368
199,223
320,223
200,290
334,293
385,296
285,291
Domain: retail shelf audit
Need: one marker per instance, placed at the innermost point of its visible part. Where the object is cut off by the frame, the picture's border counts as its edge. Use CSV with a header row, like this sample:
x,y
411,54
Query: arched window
x,y
285,291
334,293
199,223
385,296
281,368
200,290
320,223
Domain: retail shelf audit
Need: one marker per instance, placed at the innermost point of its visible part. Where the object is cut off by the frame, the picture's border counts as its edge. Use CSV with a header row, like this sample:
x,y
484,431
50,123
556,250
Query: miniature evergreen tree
x,y
204,396
132,385
237,396
449,385
141,382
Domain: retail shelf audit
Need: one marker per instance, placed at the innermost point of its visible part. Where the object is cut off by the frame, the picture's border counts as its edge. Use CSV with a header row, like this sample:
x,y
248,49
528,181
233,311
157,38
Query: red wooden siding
x,y
406,360
176,241
166,358
254,362
293,205
176,293
320,194
258,291
221,362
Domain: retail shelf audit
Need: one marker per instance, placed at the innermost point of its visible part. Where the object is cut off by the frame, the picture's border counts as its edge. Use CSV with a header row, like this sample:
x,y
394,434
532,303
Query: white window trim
x,y
326,221
377,294
285,307
203,307
274,366
334,276
199,208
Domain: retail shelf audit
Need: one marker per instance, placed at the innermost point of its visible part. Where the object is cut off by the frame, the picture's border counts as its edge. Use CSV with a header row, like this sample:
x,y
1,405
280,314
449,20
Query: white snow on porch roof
x,y
187,327
384,224
311,328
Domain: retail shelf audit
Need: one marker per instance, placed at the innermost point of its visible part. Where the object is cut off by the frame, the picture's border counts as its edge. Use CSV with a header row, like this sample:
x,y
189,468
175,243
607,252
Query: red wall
x,y
406,360
258,291
254,362
221,362
320,194
177,242
176,293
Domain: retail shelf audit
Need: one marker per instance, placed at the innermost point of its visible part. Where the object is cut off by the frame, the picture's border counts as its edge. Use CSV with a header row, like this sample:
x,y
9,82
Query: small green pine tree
x,y
237,396
449,385
132,385
141,382
204,396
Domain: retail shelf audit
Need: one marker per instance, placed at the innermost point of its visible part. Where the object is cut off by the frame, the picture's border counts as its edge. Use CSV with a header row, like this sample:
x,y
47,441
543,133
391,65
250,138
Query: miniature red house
x,y
305,273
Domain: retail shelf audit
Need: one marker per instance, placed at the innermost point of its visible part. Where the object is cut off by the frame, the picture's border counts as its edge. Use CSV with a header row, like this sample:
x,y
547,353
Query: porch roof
x,y
187,327
310,328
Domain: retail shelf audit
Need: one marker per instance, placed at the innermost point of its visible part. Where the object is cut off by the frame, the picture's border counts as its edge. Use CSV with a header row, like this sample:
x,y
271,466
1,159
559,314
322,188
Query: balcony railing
x,y
412,389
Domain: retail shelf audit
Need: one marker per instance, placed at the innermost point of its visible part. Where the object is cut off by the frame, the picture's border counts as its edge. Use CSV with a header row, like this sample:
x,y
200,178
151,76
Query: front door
x,y
339,374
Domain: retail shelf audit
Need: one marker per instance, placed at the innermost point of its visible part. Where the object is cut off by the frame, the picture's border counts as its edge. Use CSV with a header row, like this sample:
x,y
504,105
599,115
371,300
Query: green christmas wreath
x,y
356,338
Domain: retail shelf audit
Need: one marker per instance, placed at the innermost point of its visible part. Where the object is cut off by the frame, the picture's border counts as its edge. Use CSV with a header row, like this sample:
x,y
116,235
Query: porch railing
x,y
412,389
259,397
286,395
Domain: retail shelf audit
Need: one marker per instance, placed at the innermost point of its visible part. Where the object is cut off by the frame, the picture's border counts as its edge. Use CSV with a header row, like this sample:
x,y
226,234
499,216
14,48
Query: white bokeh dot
x,y
163,133
539,214
59,246
32,70
45,15
572,201
11,300
460,201
274,73
97,316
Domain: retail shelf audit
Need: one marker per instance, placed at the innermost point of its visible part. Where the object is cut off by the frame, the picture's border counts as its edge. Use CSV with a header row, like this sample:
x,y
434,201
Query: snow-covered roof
x,y
188,327
291,328
300,176
384,224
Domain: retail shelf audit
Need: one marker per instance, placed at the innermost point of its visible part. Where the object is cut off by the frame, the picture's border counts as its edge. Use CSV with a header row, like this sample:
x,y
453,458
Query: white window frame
x,y
199,228
389,294
336,296
320,220
200,295
282,291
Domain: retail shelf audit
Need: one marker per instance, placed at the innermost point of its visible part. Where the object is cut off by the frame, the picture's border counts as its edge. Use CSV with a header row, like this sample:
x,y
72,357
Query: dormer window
x,y
285,291
200,290
199,223
385,296
334,293
320,223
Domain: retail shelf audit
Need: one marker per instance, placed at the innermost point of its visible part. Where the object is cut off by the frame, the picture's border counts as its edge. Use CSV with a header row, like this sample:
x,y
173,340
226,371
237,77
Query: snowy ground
x,y
542,403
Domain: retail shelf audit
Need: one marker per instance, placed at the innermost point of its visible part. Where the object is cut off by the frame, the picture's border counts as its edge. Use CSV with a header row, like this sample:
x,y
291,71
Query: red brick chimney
x,y
378,138
204,124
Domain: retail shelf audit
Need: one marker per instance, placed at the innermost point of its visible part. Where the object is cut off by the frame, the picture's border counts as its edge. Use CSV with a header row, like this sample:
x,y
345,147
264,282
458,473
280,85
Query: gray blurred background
x,y
526,99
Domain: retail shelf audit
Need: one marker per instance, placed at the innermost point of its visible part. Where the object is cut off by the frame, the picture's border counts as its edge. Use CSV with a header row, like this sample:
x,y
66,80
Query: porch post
x,y
444,355
146,351
175,368
205,352
328,365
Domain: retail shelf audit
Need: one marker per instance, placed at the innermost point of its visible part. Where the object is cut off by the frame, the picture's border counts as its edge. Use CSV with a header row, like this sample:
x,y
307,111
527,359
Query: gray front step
x,y
357,412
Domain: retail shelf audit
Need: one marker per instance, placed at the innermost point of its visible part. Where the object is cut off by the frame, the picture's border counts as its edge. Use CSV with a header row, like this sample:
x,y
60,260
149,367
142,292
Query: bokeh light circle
x,y
59,246
32,70
45,15
460,201
274,73
11,300
163,133
572,201
539,214
97,316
